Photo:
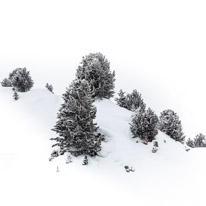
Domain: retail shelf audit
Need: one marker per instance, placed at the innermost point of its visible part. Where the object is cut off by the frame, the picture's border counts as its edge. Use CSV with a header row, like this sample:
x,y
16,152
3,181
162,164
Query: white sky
x,y
157,47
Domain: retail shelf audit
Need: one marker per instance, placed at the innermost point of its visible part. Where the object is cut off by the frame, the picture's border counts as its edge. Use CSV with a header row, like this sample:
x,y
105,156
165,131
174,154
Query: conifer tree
x,y
200,140
135,101
95,68
170,124
122,100
190,143
144,125
6,83
20,79
77,133
131,101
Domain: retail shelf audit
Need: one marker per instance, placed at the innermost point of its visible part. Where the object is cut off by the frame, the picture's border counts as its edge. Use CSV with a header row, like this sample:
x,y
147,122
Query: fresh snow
x,y
171,176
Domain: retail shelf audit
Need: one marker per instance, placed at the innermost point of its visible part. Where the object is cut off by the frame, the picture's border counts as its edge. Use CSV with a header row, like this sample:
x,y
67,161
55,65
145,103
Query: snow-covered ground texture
x,y
171,176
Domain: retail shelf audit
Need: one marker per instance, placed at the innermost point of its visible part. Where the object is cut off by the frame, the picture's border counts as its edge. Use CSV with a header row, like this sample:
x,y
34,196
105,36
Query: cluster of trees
x,y
145,123
199,141
131,101
77,134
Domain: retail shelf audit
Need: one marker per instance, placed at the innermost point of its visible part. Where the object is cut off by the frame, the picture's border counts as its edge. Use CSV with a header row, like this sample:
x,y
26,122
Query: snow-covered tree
x,y
20,79
6,83
49,87
122,99
77,133
190,143
95,68
131,101
135,101
144,125
200,140
170,124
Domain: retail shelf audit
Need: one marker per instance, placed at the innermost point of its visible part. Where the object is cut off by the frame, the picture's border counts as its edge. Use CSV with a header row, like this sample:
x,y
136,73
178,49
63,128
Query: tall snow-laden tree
x,y
144,125
170,124
77,133
21,80
95,68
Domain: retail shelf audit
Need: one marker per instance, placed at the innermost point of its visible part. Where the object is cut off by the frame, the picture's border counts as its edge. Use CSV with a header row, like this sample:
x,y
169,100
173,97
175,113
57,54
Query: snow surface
x,y
171,176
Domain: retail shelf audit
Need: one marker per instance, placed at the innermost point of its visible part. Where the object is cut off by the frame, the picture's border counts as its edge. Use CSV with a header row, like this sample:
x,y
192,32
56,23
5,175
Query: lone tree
x,y
21,80
144,125
131,101
77,133
170,124
95,68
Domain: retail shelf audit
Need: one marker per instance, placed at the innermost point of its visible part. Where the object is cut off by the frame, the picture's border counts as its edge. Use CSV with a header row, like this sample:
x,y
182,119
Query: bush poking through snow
x,y
77,133
95,68
170,124
131,101
21,80
155,147
85,161
144,125
129,169
49,87
6,83
15,95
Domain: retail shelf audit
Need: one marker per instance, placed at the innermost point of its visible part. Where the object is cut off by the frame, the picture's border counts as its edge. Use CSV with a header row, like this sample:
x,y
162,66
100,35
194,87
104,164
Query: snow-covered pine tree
x,y
122,100
170,124
20,79
49,87
200,140
95,68
144,125
135,101
190,143
77,133
6,83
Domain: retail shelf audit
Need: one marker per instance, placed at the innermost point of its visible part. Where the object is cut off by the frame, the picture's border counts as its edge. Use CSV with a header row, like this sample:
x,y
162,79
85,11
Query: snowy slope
x,y
171,176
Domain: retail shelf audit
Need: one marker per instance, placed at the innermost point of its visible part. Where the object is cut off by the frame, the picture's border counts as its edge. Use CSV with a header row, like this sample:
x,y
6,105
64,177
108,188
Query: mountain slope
x,y
28,178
